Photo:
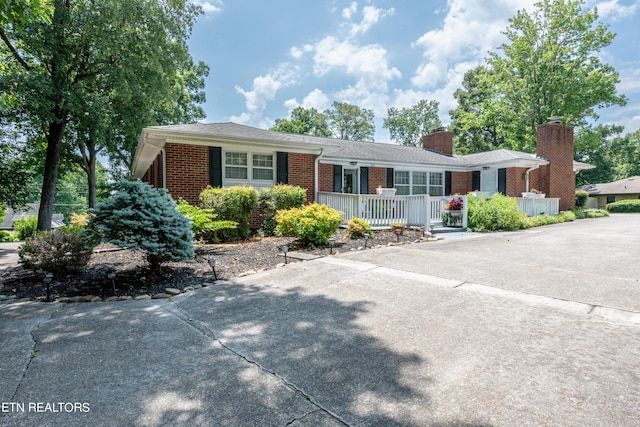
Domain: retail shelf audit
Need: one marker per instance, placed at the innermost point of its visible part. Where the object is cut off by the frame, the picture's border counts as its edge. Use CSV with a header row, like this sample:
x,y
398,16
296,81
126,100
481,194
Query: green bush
x,y
595,213
7,236
497,213
141,217
203,221
552,219
312,224
581,198
56,252
26,227
277,198
358,228
232,204
624,206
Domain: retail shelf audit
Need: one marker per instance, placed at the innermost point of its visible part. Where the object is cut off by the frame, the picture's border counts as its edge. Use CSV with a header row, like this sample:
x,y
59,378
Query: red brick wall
x,y
301,173
325,177
187,171
461,182
153,176
377,178
439,141
516,182
555,142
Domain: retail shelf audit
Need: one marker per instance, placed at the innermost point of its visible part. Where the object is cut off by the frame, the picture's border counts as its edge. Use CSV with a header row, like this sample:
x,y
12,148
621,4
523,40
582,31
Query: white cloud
x,y
371,16
265,88
298,52
316,99
349,11
209,8
613,10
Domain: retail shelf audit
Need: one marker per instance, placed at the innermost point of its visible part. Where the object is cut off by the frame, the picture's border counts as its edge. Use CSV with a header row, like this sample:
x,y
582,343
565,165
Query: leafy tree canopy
x,y
550,66
303,121
407,126
351,122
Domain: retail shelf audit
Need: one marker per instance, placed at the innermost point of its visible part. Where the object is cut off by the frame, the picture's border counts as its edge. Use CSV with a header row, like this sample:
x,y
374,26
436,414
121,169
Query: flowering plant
x,y
533,190
454,204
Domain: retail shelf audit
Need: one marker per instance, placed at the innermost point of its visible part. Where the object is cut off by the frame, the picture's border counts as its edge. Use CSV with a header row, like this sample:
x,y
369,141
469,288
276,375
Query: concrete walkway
x,y
540,327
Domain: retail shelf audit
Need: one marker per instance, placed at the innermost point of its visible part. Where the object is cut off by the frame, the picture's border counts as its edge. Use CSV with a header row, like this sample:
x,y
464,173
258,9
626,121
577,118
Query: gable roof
x,y
629,185
503,158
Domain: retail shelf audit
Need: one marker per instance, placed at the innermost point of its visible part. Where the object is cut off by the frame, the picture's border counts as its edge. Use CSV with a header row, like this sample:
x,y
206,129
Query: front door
x,y
350,181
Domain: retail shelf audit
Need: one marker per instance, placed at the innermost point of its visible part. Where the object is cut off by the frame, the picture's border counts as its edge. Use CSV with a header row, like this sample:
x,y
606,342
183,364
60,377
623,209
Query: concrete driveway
x,y
540,327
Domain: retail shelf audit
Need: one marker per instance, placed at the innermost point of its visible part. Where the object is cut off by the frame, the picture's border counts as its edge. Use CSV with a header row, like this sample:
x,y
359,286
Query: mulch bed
x,y
134,278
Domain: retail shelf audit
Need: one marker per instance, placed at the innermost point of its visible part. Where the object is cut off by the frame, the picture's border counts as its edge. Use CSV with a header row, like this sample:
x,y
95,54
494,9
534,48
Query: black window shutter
x,y
364,180
447,182
389,177
215,166
337,179
283,167
475,181
502,181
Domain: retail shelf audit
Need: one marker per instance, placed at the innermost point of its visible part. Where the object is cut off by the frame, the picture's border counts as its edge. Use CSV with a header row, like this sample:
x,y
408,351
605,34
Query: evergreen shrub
x,y
56,252
624,206
357,228
141,217
312,224
279,197
232,204
497,213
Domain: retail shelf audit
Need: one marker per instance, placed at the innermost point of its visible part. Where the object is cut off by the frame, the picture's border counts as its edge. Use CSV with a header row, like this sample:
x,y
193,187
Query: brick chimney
x,y
555,143
440,141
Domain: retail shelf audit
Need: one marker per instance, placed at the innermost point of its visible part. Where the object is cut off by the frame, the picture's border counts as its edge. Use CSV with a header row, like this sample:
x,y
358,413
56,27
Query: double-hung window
x,y
235,165
262,167
402,183
436,184
418,182
256,169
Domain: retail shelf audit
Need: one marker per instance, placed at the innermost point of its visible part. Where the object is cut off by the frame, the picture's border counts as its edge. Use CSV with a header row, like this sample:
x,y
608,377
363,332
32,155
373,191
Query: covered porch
x,y
381,211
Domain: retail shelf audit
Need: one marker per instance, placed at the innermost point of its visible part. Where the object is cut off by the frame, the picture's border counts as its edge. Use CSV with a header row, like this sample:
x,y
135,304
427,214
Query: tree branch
x,y
13,50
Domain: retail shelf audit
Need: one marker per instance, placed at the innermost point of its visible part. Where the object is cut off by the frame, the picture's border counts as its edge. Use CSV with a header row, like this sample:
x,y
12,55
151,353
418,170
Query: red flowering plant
x,y
454,204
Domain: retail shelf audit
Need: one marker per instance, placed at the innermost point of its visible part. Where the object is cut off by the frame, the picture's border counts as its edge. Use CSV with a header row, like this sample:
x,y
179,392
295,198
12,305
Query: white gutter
x,y
316,167
526,177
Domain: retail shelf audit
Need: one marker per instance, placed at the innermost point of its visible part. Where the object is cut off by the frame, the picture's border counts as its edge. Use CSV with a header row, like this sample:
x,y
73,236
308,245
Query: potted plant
x,y
533,194
454,206
395,226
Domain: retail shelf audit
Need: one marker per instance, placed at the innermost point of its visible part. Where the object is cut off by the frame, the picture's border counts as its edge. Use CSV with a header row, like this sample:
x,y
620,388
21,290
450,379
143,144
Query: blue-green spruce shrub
x,y
141,217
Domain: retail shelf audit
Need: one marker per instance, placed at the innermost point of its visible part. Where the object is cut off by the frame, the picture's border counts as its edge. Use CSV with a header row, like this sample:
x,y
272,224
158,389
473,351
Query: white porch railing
x,y
381,211
538,207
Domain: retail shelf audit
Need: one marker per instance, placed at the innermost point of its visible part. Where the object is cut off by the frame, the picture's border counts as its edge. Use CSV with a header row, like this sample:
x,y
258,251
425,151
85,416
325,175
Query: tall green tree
x,y
351,122
303,121
407,126
550,66
80,55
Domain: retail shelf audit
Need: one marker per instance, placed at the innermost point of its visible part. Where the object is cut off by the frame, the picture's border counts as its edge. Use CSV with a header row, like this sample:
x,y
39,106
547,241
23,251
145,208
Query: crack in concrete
x,y
182,315
302,417
34,351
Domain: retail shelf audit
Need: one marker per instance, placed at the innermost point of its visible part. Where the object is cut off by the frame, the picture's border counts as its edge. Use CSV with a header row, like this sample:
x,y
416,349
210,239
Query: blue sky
x,y
268,57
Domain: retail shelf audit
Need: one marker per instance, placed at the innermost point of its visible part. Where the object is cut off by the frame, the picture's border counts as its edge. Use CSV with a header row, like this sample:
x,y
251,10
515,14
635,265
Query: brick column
x,y
555,143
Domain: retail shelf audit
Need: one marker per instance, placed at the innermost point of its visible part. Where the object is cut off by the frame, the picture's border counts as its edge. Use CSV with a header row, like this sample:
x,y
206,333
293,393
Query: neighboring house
x,y
30,210
187,158
628,188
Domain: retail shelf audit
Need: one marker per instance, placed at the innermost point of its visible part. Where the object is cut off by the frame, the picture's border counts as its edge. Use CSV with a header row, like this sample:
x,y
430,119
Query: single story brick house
x,y
609,192
187,158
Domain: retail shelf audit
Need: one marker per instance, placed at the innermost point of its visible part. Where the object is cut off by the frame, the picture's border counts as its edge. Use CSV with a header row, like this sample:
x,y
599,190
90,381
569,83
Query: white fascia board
x,y
146,152
395,165
174,137
519,163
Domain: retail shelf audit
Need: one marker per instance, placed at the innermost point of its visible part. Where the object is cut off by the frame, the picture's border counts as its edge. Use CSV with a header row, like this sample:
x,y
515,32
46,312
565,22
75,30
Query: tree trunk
x,y
51,168
91,179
